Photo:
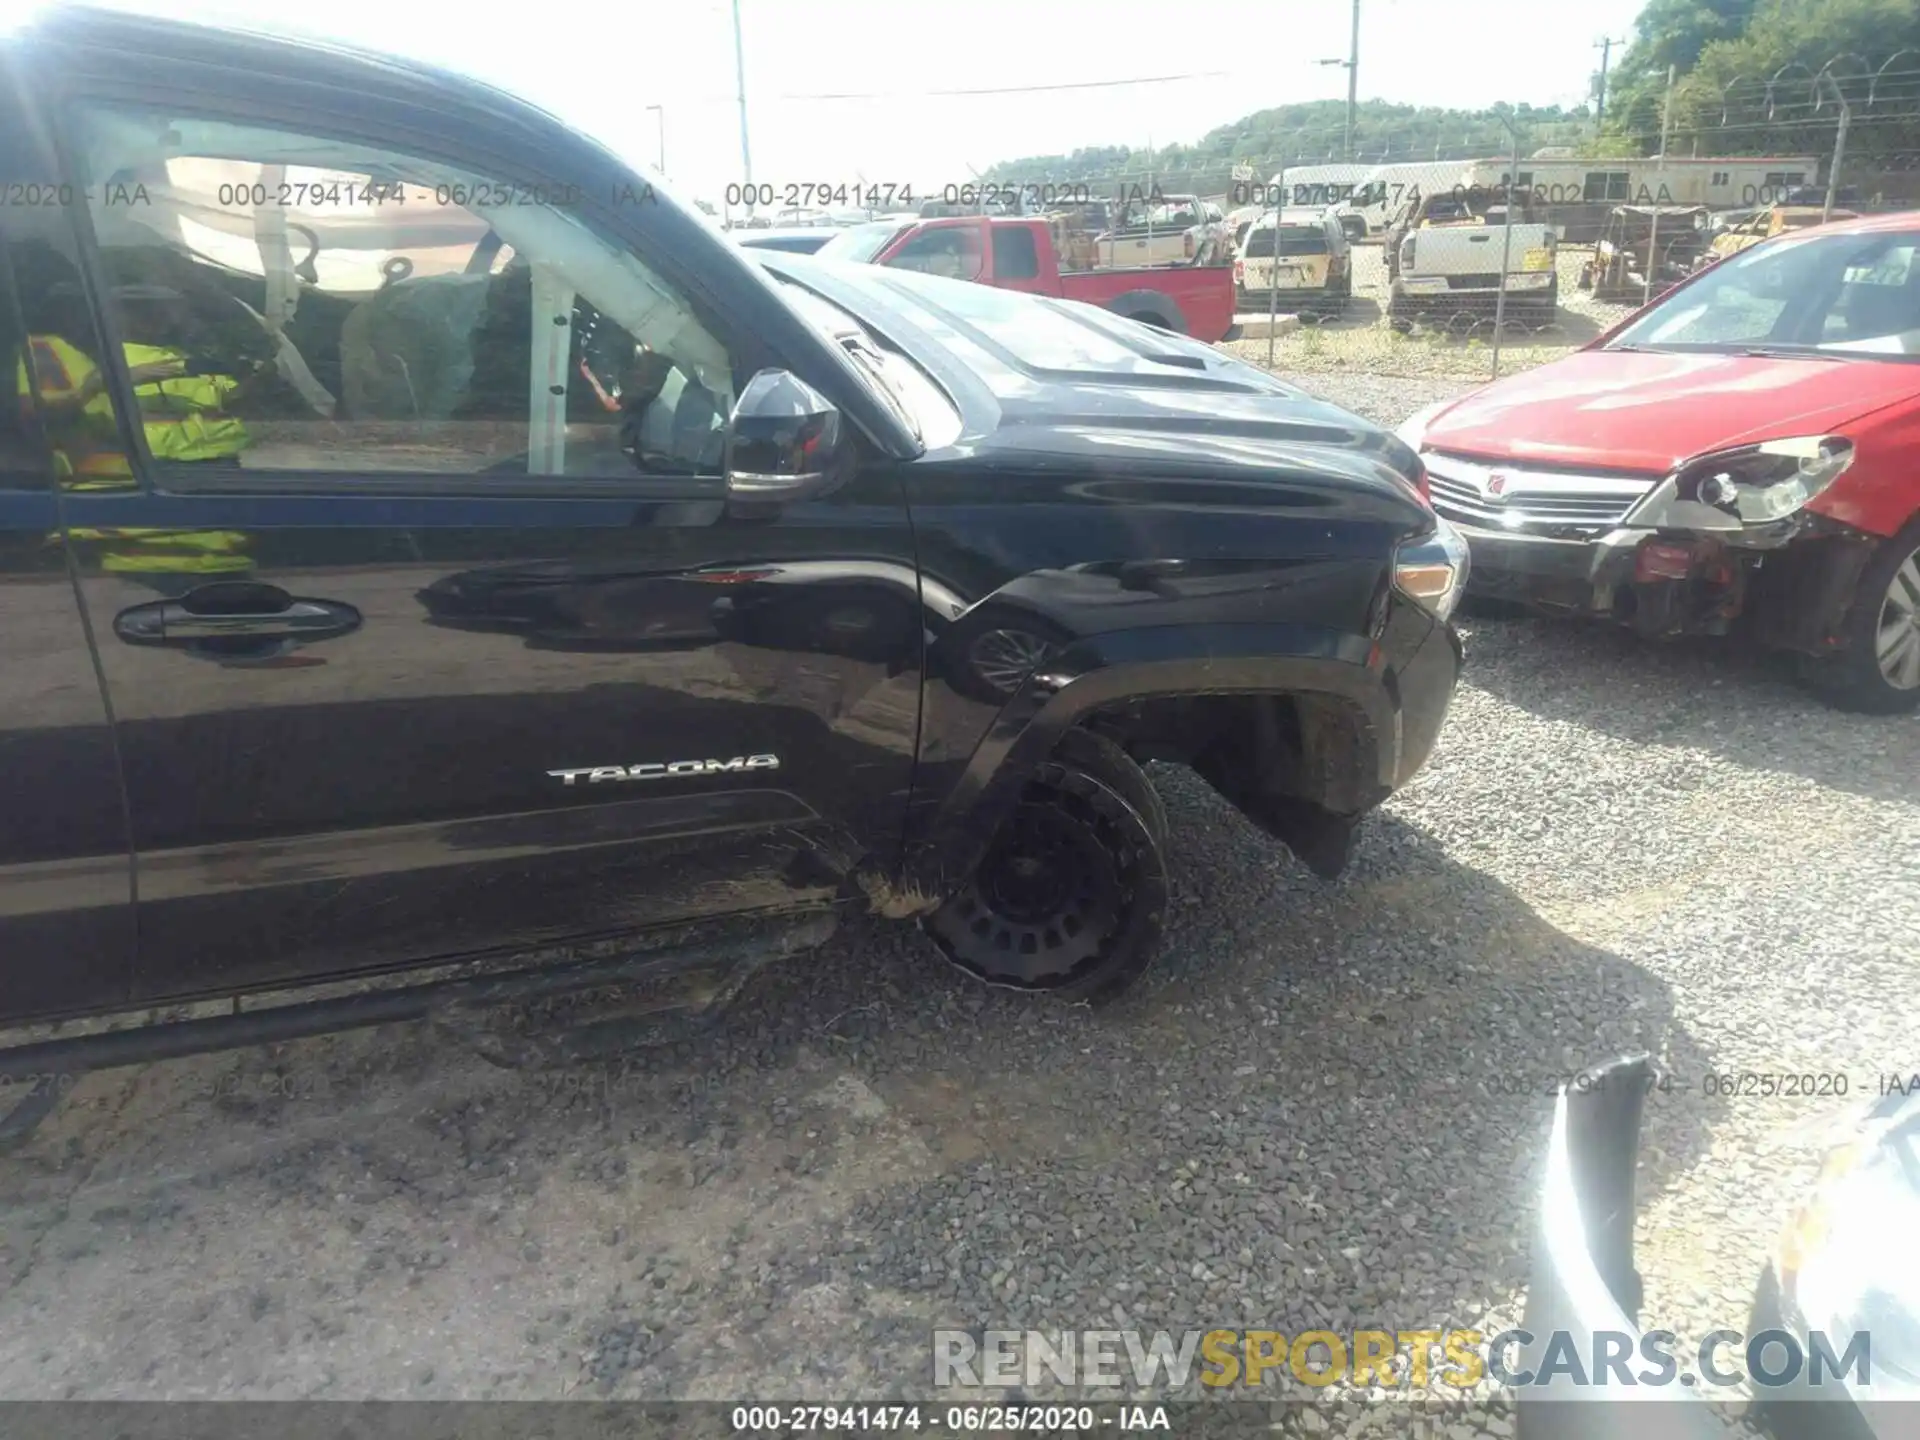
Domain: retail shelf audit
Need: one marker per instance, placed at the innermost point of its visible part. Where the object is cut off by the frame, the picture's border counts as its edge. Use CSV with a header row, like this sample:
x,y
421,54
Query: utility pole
x,y
740,82
1653,230
1506,246
1352,67
1605,47
1353,79
1666,112
1839,150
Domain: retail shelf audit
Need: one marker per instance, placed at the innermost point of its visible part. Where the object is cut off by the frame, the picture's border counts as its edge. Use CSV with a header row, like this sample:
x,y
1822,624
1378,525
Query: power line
x,y
1010,89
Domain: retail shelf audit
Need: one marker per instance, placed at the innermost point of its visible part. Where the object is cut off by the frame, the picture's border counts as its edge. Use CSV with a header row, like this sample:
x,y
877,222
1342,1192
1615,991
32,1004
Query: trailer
x,y
1579,196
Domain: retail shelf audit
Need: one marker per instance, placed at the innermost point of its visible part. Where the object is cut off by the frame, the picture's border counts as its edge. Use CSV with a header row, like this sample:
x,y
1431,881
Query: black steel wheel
x,y
1070,897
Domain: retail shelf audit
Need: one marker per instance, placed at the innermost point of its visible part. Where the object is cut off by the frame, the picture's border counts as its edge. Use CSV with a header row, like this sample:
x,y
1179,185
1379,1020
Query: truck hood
x,y
1644,411
1062,385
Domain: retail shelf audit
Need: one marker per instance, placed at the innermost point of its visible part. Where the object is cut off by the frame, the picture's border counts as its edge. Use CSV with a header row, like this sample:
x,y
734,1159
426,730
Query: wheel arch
x,y
1151,307
1322,678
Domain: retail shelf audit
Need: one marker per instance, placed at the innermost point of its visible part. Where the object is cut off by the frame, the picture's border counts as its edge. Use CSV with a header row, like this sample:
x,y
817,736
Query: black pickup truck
x,y
424,542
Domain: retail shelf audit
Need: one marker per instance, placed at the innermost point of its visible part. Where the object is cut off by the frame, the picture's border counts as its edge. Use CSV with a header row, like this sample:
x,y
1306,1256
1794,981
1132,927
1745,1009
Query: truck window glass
x,y
860,243
1014,254
1293,240
20,461
952,251
54,362
294,303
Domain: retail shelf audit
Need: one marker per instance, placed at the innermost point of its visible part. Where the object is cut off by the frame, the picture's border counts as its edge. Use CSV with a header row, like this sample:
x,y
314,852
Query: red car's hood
x,y
1621,410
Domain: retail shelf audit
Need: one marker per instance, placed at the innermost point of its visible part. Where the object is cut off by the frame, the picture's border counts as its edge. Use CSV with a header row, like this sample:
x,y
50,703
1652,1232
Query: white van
x,y
1387,189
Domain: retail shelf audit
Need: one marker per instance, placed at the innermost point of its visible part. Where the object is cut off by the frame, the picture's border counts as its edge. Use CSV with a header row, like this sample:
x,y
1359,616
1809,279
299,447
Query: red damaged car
x,y
1745,450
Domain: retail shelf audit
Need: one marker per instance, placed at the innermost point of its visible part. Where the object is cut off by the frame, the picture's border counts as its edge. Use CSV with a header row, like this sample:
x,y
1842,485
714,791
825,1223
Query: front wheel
x,y
1071,896
1879,671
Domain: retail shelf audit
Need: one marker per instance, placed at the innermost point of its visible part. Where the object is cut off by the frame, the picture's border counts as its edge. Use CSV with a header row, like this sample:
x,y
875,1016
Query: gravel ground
x,y
1360,343
1324,1108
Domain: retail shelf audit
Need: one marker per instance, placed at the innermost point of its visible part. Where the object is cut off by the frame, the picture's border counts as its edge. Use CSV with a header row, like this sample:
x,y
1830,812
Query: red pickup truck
x,y
1018,254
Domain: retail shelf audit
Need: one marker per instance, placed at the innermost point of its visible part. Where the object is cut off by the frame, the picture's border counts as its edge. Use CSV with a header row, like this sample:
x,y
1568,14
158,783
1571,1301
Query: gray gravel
x,y
1383,399
1323,1109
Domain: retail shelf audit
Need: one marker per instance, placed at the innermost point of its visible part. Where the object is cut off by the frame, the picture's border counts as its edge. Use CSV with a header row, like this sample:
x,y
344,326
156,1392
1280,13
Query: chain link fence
x,y
1408,282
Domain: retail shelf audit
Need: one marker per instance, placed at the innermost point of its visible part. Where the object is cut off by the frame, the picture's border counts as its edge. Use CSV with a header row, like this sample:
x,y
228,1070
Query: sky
x,y
604,68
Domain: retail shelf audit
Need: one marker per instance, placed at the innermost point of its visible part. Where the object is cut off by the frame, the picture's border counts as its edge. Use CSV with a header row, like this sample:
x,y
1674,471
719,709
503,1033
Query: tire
x,y
1071,896
1886,608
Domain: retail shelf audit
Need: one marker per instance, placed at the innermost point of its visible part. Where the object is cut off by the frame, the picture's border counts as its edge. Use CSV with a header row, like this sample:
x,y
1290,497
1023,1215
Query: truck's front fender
x,y
953,825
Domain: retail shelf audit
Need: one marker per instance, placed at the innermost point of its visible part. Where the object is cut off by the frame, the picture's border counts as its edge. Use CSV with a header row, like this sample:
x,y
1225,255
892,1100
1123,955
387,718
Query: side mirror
x,y
784,442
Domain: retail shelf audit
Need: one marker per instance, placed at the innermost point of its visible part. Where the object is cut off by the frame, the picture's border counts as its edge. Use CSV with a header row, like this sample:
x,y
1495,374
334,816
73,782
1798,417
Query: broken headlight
x,y
1758,484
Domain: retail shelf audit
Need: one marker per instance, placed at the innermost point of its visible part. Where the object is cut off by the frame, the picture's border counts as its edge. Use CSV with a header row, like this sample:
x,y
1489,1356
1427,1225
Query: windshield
x,y
1821,294
1173,215
861,243
1294,240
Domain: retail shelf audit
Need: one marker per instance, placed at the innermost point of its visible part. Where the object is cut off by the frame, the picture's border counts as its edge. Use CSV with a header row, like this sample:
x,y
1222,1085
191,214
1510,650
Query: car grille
x,y
1533,502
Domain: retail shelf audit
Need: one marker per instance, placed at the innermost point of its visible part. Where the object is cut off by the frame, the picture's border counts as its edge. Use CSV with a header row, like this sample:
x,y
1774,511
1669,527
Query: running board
x,y
736,956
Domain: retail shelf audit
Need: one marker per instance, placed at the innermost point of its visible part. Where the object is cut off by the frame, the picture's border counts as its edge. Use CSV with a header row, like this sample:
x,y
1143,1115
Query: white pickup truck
x,y
1444,253
1172,230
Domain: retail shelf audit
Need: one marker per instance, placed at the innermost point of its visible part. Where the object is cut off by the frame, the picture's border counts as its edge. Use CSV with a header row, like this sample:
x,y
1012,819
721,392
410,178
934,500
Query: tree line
x,y
1754,77
1749,77
1310,133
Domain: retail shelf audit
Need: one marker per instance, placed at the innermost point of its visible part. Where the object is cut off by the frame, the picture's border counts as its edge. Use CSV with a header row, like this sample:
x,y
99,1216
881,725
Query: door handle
x,y
239,610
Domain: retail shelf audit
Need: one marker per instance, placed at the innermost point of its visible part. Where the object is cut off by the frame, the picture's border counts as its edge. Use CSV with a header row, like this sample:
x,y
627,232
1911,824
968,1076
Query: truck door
x,y
1015,259
427,622
66,913
956,249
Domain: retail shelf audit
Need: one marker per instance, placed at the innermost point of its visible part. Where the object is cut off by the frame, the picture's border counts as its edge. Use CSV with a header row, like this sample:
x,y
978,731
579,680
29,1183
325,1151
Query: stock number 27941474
x,y
810,194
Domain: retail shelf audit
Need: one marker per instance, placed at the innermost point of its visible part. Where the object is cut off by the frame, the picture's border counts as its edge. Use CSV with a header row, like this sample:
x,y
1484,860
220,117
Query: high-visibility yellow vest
x,y
171,413
181,416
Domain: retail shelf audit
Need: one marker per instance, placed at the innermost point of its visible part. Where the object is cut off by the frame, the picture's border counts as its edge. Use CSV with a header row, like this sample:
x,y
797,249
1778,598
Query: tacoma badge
x,y
666,769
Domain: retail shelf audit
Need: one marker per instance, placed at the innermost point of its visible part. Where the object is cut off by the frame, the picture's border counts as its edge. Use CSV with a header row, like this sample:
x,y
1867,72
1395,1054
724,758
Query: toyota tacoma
x,y
427,542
